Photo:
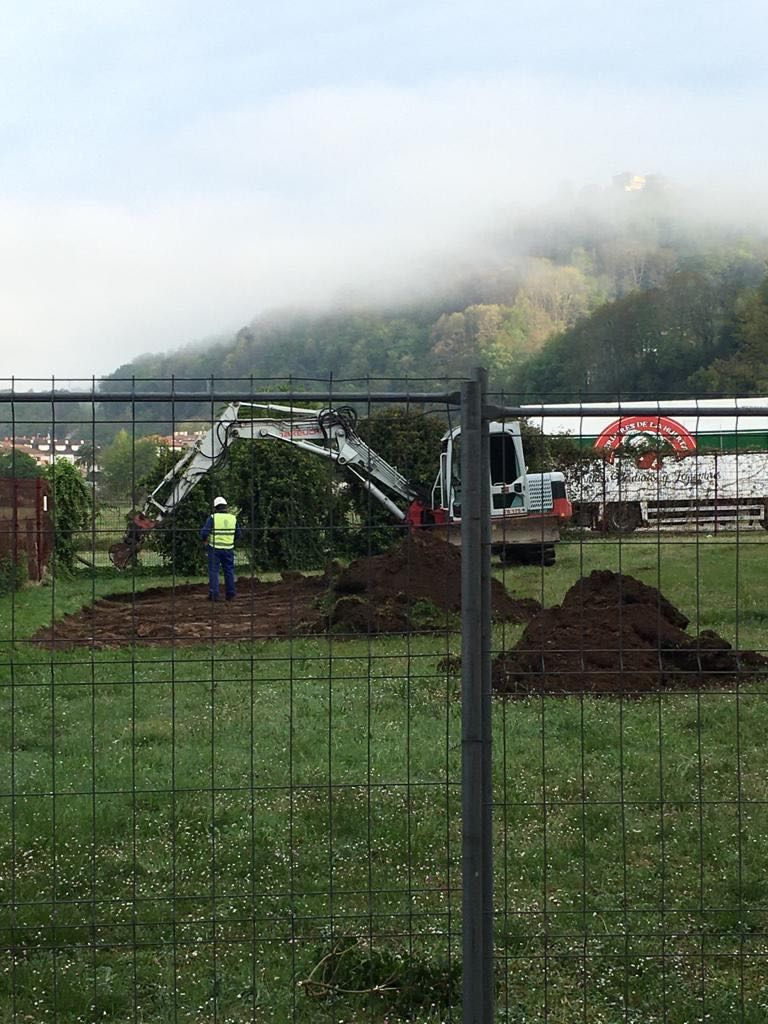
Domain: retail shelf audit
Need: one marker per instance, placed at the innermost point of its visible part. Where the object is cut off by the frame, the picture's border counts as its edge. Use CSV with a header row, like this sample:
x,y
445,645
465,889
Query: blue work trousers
x,y
221,559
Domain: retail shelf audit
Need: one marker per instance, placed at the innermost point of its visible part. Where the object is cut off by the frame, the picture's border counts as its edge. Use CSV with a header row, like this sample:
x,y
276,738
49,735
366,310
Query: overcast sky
x,y
168,169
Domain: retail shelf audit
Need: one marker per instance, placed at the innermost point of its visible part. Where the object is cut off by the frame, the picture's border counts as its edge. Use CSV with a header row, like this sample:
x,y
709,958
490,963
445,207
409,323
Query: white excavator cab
x,y
507,478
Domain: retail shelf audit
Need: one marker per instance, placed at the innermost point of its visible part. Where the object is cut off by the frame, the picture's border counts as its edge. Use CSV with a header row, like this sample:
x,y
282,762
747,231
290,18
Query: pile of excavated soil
x,y
413,586
403,589
614,634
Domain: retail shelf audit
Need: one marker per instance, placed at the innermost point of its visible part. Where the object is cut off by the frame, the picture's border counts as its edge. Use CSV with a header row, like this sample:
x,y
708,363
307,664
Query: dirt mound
x,y
404,587
614,634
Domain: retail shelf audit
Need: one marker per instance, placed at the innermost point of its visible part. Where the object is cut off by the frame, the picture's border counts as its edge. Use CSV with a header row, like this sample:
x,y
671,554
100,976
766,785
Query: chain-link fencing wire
x,y
252,810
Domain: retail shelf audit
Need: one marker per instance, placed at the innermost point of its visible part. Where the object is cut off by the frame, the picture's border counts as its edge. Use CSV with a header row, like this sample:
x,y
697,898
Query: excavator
x,y
527,509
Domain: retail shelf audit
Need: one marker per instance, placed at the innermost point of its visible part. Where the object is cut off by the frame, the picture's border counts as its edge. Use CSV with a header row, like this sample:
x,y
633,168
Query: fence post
x,y
477,850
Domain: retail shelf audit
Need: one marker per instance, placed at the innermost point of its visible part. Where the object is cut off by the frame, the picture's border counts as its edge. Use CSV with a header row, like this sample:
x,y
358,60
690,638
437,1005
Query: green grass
x,y
186,834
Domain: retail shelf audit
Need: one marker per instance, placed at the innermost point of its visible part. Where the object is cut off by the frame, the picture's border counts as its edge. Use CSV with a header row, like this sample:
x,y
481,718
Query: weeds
x,y
384,976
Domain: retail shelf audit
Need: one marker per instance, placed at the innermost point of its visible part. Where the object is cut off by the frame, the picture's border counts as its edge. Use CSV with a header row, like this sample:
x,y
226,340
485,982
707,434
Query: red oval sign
x,y
645,431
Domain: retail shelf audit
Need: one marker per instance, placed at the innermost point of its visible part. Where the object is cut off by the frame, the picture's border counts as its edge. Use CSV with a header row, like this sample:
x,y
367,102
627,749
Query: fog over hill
x,y
601,261
172,171
632,288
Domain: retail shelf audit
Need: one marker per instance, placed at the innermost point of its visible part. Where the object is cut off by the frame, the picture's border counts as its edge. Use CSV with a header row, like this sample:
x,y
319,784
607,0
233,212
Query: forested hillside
x,y
623,300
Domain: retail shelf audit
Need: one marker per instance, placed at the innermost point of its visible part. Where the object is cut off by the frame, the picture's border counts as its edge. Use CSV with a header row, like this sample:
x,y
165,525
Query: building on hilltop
x,y
628,181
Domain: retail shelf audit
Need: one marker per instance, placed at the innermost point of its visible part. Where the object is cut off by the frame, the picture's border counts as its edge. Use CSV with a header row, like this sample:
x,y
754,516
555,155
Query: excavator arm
x,y
329,433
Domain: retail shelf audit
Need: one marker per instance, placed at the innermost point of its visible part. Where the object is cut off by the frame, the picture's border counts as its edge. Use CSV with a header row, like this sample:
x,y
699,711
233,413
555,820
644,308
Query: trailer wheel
x,y
621,517
528,554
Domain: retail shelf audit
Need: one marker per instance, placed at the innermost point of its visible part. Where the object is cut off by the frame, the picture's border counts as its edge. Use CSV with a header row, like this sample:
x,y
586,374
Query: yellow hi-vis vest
x,y
223,532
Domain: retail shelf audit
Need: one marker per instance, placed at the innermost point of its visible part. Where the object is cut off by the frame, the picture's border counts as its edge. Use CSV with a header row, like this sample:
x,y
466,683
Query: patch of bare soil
x,y
614,634
183,615
415,585
418,582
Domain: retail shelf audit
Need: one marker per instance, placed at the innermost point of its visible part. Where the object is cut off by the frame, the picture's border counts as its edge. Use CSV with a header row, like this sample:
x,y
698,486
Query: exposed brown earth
x,y
183,615
614,634
415,585
611,634
382,594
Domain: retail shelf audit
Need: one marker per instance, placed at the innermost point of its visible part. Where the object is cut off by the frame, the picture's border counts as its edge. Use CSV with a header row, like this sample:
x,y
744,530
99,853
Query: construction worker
x,y
219,533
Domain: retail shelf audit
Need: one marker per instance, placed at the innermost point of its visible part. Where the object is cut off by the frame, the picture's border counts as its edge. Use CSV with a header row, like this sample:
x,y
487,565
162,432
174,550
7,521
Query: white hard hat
x,y
219,501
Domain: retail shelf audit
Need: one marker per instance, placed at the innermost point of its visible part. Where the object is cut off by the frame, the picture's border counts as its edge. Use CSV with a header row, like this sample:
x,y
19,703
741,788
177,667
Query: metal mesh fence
x,y
394,778
629,776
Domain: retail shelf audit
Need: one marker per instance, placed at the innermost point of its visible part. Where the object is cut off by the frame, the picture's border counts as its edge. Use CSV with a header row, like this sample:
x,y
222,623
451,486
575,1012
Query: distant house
x,y
628,181
180,439
44,449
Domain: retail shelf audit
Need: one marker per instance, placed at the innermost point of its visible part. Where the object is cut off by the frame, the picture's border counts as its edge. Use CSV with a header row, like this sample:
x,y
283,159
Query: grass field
x,y
269,832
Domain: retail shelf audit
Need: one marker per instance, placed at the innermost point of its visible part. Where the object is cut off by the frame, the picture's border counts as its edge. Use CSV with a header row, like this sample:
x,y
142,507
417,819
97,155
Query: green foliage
x,y
56,419
357,972
424,614
72,510
19,465
409,441
177,538
124,464
545,300
295,507
13,575
670,337
287,503
552,452
744,371
87,458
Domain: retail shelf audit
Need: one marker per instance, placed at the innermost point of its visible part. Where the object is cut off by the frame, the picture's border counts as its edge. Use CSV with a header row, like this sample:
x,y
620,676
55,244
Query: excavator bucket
x,y
121,553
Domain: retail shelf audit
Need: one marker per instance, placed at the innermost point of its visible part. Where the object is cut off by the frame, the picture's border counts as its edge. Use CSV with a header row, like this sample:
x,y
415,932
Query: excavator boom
x,y
329,433
526,509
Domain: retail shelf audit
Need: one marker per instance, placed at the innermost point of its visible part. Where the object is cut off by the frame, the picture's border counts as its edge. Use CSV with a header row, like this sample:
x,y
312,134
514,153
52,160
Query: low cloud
x,y
331,191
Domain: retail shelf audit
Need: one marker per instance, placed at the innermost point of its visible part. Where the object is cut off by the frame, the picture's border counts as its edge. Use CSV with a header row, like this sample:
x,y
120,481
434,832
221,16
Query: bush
x,y
13,575
287,502
19,465
296,508
547,453
72,510
124,463
409,441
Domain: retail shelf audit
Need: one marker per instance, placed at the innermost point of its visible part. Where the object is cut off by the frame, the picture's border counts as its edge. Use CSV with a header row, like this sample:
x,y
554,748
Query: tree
x,y
660,340
560,294
19,465
291,508
72,509
124,464
86,459
410,441
744,371
287,501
